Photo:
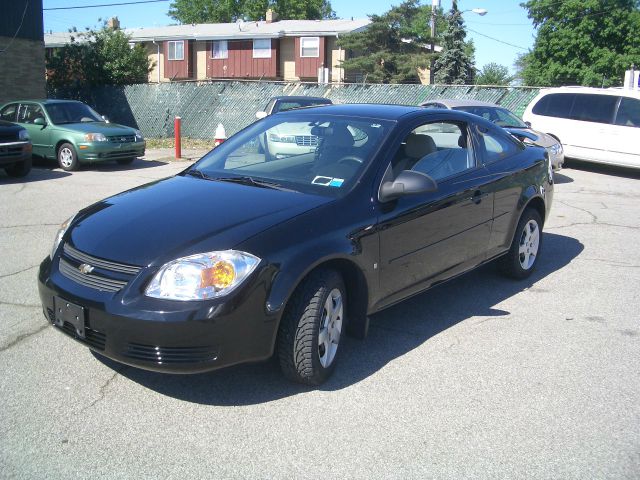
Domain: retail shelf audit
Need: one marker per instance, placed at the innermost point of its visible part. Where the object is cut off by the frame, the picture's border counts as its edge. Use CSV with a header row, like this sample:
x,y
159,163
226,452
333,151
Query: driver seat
x,y
336,144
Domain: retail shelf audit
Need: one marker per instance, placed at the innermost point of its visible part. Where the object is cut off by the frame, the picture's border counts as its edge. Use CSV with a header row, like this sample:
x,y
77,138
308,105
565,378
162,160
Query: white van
x,y
593,124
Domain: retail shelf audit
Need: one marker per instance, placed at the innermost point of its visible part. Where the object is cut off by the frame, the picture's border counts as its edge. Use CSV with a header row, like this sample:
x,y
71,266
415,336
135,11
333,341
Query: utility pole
x,y
434,5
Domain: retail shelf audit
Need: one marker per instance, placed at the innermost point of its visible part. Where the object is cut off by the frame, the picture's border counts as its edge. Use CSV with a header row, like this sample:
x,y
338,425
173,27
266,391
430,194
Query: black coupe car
x,y
238,258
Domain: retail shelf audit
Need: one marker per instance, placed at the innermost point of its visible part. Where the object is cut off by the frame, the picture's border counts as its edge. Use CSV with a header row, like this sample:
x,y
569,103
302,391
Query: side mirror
x,y
40,121
261,114
407,183
106,120
522,135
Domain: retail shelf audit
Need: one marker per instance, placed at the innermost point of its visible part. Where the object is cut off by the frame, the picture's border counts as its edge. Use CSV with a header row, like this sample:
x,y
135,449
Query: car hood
x,y
543,140
181,216
108,129
9,127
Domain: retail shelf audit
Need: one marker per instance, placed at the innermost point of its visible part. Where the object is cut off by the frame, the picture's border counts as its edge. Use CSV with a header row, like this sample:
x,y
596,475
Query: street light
x,y
436,4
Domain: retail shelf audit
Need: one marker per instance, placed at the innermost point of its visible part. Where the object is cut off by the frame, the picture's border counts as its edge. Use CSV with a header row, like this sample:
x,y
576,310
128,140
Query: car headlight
x,y
276,137
138,136
556,149
95,137
202,276
61,231
23,135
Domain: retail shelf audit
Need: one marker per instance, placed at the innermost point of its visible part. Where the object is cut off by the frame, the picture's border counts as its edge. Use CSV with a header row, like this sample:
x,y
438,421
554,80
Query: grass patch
x,y
186,143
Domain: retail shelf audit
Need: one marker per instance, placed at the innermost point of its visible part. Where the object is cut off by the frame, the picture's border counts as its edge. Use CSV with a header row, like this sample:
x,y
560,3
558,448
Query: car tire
x,y
67,157
312,327
19,170
125,161
522,258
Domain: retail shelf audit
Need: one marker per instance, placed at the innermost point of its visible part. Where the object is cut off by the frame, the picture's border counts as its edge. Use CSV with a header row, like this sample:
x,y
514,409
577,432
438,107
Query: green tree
x,y
226,11
585,42
454,65
393,46
98,57
494,74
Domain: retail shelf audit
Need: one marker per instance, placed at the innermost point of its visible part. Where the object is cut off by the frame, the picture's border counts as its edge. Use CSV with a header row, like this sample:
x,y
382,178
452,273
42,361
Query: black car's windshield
x,y
500,116
307,153
71,112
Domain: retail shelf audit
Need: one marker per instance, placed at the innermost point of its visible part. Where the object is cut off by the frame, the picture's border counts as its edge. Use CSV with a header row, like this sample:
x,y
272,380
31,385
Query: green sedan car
x,y
73,133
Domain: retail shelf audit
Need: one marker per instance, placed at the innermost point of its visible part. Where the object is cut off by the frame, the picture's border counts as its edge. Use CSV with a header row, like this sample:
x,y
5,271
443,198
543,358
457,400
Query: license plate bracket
x,y
65,311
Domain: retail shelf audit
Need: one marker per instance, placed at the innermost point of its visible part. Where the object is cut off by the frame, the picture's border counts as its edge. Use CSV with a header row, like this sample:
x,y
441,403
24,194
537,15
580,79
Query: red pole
x,y
176,128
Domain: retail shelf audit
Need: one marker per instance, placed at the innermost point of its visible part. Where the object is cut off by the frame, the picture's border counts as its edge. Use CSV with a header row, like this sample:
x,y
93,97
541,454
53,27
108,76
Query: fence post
x,y
176,129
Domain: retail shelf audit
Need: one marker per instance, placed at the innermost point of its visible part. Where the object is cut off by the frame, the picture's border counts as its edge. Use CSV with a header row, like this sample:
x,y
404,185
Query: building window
x,y
176,50
262,48
220,49
310,47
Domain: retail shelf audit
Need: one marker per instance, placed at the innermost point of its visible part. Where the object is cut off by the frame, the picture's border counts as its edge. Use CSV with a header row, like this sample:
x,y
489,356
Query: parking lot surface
x,y
482,377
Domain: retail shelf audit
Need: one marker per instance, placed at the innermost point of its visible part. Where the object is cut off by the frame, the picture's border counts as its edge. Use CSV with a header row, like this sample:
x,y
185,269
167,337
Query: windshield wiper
x,y
199,174
246,180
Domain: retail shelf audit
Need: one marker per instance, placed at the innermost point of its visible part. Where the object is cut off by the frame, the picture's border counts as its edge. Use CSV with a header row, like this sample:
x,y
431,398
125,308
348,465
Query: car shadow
x,y
393,333
137,164
613,170
560,178
35,175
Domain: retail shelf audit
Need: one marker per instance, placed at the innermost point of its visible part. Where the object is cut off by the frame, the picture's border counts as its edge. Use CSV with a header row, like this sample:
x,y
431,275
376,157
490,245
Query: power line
x,y
105,5
497,39
24,12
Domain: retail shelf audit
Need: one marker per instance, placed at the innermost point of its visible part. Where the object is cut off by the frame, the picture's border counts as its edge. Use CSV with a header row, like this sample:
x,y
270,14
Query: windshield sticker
x,y
375,125
328,181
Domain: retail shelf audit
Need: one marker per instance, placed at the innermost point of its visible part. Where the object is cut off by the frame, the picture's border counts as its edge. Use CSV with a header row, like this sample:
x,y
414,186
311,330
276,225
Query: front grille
x,y
105,275
122,138
306,140
93,338
170,355
76,254
9,137
121,154
12,151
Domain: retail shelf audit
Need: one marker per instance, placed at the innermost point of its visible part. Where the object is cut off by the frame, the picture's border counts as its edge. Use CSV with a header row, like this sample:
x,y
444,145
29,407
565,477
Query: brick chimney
x,y
271,16
113,23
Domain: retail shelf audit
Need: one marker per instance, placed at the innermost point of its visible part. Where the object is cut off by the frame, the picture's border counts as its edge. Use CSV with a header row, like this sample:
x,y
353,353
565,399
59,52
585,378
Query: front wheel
x,y
523,255
19,170
311,328
67,157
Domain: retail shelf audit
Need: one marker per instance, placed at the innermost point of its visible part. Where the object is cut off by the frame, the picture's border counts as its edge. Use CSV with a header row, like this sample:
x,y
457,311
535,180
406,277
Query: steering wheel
x,y
350,158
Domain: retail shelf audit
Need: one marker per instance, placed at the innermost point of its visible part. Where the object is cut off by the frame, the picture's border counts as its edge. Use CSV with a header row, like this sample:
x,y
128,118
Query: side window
x,y
8,113
594,108
29,112
496,145
438,149
628,113
555,105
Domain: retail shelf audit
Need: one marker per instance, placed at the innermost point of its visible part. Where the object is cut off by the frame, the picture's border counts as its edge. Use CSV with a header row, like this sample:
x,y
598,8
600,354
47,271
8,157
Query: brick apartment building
x,y
22,50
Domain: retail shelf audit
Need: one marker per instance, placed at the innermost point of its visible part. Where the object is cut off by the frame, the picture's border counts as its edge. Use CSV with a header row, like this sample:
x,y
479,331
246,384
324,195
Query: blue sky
x,y
505,22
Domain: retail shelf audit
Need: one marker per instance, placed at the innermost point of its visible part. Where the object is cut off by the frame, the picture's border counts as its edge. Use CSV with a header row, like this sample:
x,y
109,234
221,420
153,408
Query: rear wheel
x,y
311,328
67,157
18,170
522,257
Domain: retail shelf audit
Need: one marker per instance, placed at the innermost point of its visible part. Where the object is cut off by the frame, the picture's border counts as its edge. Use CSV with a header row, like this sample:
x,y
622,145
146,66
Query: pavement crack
x,y
594,217
23,305
103,389
30,225
24,336
19,271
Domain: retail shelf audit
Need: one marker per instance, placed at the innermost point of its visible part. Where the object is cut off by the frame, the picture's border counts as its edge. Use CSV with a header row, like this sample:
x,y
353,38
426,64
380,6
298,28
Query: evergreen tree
x,y
454,65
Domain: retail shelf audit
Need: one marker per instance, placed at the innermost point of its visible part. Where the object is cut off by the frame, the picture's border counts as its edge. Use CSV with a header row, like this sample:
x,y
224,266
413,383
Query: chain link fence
x,y
152,107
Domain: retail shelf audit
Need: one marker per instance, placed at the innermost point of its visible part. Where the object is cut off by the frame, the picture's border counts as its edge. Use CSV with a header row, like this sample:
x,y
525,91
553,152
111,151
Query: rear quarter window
x,y
628,113
555,105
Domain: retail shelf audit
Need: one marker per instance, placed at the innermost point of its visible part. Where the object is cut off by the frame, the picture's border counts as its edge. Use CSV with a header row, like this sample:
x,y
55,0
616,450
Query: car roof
x,y
301,97
457,102
44,101
370,110
618,91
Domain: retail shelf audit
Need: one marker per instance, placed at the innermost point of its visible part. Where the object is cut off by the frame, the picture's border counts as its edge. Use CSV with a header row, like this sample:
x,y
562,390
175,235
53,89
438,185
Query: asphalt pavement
x,y
482,377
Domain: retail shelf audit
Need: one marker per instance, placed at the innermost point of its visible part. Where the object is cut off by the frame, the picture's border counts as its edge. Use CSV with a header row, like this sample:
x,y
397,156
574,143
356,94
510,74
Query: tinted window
x,y
555,105
9,112
499,116
594,108
71,112
496,146
628,112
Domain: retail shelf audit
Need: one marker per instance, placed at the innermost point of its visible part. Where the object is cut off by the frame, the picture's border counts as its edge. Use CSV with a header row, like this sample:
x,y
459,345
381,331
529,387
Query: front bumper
x,y
164,335
14,152
105,151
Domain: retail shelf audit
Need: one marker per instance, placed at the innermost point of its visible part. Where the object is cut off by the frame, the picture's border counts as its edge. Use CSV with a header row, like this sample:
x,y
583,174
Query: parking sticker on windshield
x,y
328,181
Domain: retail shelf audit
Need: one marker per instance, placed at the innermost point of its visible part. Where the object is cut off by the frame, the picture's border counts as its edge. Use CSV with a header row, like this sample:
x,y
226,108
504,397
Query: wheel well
x,y
554,136
60,143
537,204
355,285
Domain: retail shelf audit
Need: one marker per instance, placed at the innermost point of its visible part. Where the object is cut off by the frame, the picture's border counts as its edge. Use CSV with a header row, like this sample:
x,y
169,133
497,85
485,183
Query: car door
x,y
32,117
625,133
428,237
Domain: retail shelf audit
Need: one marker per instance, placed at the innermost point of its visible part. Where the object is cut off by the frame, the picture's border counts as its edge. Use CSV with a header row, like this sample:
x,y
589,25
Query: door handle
x,y
478,196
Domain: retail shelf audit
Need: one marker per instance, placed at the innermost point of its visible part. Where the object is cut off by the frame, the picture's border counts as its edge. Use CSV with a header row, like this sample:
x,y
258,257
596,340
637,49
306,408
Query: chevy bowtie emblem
x,y
85,268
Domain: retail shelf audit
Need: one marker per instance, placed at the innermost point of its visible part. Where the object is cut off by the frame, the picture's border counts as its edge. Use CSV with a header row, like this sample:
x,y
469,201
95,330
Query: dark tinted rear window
x,y
585,107
555,105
